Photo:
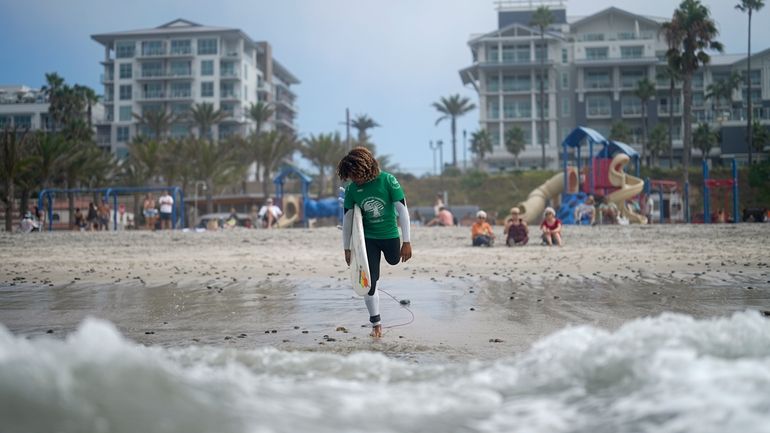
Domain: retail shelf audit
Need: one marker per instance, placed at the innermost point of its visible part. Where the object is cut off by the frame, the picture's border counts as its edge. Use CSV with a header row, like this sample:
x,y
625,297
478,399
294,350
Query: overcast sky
x,y
388,59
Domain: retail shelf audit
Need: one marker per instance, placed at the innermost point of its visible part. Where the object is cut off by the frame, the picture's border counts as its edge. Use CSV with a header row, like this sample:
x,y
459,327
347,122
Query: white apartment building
x,y
593,65
181,63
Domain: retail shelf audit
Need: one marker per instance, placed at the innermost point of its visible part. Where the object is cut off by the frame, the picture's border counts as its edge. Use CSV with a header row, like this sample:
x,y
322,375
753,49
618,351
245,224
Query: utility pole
x,y
347,127
465,147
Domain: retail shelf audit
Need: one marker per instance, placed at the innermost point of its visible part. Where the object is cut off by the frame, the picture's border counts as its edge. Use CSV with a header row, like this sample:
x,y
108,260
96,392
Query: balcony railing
x,y
599,112
229,73
163,74
229,95
598,84
180,94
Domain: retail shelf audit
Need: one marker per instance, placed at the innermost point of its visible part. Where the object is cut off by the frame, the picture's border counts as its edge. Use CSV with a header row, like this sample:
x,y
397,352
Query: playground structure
x,y
720,185
301,209
603,174
667,201
46,201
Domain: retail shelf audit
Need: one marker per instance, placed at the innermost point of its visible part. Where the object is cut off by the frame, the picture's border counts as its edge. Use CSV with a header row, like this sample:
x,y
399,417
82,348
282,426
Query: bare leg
x,y
376,331
558,238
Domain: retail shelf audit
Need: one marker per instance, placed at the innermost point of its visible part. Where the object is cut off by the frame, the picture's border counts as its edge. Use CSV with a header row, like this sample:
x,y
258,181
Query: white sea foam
x,y
664,374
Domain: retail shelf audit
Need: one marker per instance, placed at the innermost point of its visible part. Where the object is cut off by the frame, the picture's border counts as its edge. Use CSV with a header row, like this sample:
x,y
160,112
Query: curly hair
x,y
359,163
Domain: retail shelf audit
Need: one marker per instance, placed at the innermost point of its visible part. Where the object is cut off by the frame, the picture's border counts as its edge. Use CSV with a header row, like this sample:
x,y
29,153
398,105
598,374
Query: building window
x,y
227,69
227,90
626,36
207,89
152,69
630,106
598,80
245,71
207,67
631,52
564,56
517,108
756,78
183,46
123,134
517,83
492,53
493,84
153,91
493,110
630,79
125,92
592,37
23,122
4,121
565,80
597,53
663,105
598,106
207,46
545,81
180,109
124,49
124,114
565,106
541,52
153,48
180,69
181,90
125,70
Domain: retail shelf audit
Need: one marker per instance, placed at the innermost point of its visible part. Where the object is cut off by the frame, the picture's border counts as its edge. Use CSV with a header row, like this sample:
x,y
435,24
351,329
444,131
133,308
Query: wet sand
x,y
290,288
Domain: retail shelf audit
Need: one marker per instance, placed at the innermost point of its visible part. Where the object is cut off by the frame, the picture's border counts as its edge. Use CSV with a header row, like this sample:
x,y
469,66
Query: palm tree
x,y
620,132
158,122
749,6
723,89
270,149
645,90
451,108
362,123
658,142
693,32
204,116
89,97
323,151
216,163
14,160
514,142
542,18
481,144
52,89
51,153
704,139
672,74
146,154
260,113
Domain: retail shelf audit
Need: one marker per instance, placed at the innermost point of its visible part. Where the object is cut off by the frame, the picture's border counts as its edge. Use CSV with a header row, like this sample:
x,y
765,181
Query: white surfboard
x,y
359,264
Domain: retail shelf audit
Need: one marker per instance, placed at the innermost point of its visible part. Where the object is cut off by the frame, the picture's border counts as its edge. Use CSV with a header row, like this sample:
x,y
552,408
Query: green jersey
x,y
376,198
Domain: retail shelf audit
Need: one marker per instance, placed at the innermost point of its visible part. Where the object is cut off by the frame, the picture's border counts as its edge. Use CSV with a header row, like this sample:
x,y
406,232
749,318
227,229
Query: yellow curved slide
x,y
630,186
532,208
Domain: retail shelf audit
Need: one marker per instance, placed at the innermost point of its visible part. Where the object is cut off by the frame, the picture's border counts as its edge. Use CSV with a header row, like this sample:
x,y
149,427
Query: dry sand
x,y
290,288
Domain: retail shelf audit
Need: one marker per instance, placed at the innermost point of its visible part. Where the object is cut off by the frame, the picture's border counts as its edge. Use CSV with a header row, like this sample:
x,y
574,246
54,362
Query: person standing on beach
x,y
166,203
149,211
383,211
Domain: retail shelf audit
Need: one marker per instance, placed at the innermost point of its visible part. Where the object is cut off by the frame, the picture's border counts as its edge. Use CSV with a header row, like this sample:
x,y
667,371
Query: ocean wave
x,y
669,373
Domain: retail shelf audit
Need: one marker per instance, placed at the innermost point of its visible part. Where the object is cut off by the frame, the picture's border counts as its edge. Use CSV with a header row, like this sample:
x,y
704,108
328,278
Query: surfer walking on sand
x,y
383,207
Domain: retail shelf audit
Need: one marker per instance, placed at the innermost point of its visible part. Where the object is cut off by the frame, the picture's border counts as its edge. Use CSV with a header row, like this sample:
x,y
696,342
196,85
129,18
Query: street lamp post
x,y
465,147
440,145
433,148
198,183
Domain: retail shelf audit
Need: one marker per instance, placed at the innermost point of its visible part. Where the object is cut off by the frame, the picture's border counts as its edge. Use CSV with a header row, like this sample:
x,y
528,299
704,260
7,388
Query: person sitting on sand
x,y
383,211
585,212
481,231
269,214
444,218
608,212
551,228
516,230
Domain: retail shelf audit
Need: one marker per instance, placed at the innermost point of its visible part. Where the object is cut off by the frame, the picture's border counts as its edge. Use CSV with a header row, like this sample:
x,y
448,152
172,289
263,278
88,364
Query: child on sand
x,y
382,203
551,228
481,231
516,230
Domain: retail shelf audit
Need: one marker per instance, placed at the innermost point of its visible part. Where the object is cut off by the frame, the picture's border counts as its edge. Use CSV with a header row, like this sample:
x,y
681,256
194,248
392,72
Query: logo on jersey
x,y
374,207
394,182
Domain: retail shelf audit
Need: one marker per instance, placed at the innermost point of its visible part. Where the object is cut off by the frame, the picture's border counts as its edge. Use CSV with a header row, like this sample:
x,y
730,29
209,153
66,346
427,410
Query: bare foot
x,y
376,331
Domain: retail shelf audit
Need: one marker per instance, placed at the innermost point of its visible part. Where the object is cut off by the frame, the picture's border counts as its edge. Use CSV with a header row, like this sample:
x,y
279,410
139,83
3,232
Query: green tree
x,y
704,139
514,142
90,98
362,123
620,132
658,142
748,7
146,154
270,149
542,18
672,74
204,116
323,151
693,33
158,122
216,163
260,113
645,90
386,164
723,90
761,136
481,144
53,92
451,108
14,160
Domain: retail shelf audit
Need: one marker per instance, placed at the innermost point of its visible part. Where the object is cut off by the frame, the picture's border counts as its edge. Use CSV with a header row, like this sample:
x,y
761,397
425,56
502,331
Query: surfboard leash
x,y
404,306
